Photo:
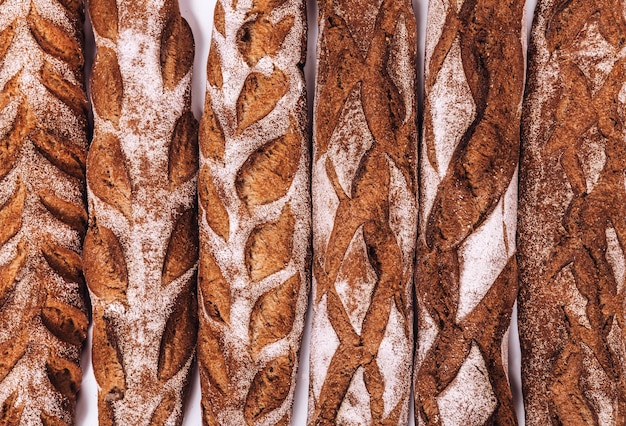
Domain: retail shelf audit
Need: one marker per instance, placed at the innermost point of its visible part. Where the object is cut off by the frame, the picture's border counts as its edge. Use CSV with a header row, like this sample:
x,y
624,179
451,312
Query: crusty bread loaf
x,y
42,214
254,213
141,249
572,229
466,274
364,213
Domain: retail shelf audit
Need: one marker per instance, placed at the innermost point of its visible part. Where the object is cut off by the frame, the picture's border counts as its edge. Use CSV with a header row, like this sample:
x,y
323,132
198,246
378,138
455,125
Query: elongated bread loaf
x,y
364,214
254,213
141,249
572,218
466,275
42,214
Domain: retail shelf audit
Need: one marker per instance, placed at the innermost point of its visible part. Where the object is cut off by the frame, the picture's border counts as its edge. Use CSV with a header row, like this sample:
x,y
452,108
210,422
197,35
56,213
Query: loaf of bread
x,y
43,320
572,217
466,273
364,214
254,213
141,249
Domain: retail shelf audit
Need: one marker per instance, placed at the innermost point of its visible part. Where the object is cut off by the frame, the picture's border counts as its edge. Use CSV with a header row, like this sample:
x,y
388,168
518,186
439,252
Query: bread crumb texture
x,y
365,214
43,320
141,249
572,209
254,213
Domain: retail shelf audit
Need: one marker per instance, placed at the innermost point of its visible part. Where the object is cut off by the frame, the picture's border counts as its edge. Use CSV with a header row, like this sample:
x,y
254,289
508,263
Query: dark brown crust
x,y
573,370
355,60
480,170
42,219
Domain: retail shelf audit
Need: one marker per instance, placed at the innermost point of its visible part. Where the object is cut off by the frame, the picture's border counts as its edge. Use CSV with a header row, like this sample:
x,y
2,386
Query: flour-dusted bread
x,y
572,217
364,213
141,249
254,213
466,274
43,320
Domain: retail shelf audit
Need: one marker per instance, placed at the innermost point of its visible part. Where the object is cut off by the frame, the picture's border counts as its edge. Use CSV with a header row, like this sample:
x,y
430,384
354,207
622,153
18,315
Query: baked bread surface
x,y
466,274
254,213
364,213
43,320
572,232
141,249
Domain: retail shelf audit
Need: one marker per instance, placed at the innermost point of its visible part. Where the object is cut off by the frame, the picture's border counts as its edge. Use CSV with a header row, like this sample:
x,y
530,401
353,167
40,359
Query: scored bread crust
x,y
572,229
364,213
43,320
466,274
254,213
140,252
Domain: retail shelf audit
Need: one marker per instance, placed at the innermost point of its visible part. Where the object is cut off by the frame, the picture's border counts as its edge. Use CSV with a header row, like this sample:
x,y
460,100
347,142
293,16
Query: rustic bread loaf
x,y
572,229
254,213
466,274
43,320
141,249
364,213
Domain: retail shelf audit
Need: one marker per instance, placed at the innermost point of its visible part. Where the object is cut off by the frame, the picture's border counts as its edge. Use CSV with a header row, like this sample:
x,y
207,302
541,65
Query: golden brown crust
x,y
254,218
141,249
43,323
572,232
364,213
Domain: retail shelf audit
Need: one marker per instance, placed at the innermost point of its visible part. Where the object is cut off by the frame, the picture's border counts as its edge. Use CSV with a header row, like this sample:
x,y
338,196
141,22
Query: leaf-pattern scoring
x,y
214,288
65,376
107,89
268,173
54,40
259,96
176,49
65,321
69,213
269,388
108,174
211,136
8,272
11,214
103,15
216,214
141,248
11,144
269,246
179,337
183,155
103,264
259,37
69,93
11,412
269,323
42,172
182,249
254,206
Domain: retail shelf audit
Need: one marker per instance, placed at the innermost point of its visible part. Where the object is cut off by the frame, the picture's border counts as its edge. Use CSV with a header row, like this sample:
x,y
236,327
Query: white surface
x,y
199,14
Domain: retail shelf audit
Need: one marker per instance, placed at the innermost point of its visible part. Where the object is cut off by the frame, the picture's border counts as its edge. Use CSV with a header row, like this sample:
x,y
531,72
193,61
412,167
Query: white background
x,y
199,14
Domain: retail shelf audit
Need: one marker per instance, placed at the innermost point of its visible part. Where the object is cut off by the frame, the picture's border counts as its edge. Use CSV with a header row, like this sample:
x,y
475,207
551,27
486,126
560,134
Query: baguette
x,y
466,274
141,249
43,320
364,214
254,213
572,229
